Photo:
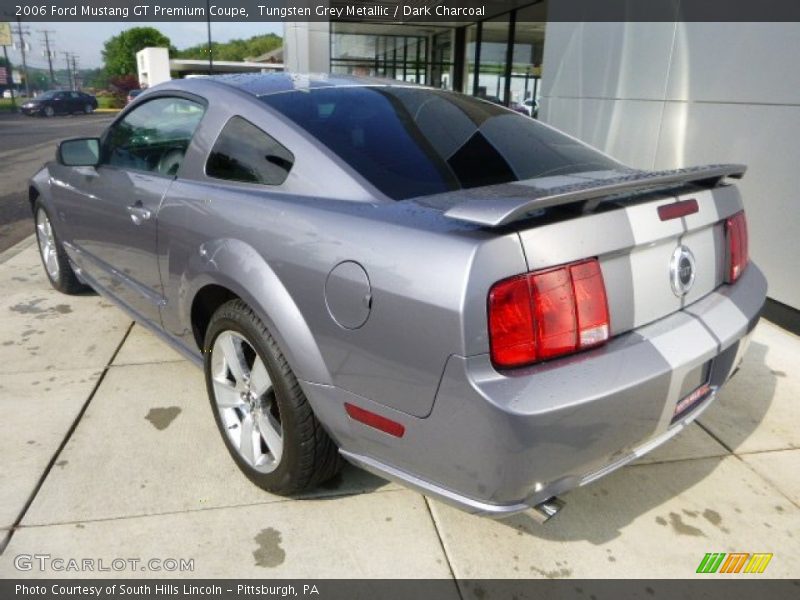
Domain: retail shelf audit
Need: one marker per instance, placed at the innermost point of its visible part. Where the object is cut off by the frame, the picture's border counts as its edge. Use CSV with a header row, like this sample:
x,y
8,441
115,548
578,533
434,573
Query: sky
x,y
86,39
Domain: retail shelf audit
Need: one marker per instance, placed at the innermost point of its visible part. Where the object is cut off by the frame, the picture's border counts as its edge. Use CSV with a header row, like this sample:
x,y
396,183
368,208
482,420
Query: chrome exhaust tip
x,y
544,511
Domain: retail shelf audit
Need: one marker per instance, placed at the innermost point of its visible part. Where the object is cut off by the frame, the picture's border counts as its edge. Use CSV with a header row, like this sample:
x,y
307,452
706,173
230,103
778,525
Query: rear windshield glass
x,y
412,142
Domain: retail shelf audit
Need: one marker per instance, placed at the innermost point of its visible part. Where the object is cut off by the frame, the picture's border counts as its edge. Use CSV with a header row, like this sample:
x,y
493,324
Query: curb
x,y
17,248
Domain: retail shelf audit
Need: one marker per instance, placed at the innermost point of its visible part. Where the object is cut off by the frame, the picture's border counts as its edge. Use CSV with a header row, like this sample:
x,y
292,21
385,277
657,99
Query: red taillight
x,y
511,322
738,253
548,313
591,302
555,323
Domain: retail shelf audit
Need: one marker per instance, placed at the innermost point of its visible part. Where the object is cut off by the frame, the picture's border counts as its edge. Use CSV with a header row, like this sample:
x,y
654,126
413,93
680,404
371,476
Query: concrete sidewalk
x,y
110,451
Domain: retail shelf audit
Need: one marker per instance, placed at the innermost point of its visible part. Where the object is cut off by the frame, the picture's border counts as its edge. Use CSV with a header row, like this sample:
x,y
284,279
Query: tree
x,y
39,80
124,84
119,52
234,49
96,78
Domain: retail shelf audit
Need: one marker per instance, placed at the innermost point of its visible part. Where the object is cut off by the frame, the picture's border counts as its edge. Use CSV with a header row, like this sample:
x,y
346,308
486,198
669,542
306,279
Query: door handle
x,y
139,214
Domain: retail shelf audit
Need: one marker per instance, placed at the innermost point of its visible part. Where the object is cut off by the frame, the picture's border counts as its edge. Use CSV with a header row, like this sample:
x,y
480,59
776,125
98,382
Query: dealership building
x,y
653,95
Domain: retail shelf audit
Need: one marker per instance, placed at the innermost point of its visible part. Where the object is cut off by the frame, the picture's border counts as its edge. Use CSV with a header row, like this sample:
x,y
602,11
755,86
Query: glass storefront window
x,y
430,54
442,61
487,43
526,69
491,71
399,52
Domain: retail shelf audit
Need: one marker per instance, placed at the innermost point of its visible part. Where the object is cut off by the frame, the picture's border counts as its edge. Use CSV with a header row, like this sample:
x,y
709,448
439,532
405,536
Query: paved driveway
x,y
26,143
110,451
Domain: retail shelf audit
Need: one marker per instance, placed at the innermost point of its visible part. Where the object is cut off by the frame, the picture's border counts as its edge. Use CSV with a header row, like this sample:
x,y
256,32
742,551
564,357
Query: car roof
x,y
264,84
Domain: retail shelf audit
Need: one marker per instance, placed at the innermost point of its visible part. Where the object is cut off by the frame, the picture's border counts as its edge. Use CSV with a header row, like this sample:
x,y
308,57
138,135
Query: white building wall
x,y
153,66
307,47
665,95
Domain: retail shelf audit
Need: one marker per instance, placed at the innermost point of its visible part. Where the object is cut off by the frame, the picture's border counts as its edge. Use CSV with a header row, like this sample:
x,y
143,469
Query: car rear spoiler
x,y
496,212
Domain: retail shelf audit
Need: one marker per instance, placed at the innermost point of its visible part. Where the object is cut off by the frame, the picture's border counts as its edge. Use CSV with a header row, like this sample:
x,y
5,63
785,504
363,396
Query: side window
x,y
154,136
75,95
243,152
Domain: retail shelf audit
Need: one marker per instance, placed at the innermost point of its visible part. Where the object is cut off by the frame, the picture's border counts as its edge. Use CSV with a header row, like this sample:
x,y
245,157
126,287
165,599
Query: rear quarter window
x,y
245,153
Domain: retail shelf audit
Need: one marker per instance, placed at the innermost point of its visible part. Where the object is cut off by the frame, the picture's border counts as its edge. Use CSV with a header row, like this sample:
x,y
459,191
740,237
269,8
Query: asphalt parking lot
x,y
110,451
25,144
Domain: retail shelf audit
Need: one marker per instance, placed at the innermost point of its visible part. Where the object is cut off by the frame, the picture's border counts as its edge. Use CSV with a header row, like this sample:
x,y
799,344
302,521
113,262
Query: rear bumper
x,y
497,443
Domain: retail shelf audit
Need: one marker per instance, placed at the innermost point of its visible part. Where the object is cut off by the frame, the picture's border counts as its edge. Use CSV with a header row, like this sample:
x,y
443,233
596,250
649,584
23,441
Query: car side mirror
x,y
79,152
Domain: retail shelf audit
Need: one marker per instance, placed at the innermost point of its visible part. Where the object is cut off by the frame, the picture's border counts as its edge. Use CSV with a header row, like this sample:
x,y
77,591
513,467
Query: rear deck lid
x,y
659,236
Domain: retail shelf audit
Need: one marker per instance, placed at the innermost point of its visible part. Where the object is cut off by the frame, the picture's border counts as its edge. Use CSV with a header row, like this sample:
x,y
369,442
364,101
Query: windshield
x,y
46,96
412,142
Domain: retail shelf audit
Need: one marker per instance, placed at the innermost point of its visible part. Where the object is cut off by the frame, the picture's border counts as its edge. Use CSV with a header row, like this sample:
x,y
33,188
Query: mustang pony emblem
x,y
682,270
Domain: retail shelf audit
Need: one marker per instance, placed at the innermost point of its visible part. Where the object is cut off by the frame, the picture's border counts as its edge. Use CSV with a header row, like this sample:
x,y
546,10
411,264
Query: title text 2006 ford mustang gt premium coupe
x,y
438,289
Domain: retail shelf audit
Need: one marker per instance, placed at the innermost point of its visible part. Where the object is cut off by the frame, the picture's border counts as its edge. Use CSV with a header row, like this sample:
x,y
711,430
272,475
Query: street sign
x,y
5,34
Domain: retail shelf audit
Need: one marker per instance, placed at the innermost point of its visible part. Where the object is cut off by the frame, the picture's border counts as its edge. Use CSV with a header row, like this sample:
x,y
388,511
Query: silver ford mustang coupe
x,y
435,288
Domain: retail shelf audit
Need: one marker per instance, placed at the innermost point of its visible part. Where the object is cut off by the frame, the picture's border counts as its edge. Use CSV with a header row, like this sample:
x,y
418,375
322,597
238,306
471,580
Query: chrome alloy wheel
x,y
245,398
47,243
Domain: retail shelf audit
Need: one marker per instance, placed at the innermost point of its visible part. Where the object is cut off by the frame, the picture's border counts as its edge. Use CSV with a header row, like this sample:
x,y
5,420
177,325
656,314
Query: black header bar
x,y
398,11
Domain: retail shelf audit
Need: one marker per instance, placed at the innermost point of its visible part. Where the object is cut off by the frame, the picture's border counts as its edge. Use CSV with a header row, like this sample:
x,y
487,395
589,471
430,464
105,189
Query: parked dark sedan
x,y
60,102
132,95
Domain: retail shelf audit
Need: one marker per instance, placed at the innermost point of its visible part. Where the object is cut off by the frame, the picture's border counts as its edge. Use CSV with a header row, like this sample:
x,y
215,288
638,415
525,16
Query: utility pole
x,y
23,31
10,78
46,33
69,70
210,47
75,72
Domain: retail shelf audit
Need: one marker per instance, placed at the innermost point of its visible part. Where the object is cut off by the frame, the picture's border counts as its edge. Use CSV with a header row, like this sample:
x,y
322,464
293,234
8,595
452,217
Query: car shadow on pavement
x,y
350,481
599,512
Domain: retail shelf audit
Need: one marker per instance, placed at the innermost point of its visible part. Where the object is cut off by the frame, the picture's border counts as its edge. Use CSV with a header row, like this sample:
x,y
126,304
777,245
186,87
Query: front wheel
x,y
49,111
54,259
264,417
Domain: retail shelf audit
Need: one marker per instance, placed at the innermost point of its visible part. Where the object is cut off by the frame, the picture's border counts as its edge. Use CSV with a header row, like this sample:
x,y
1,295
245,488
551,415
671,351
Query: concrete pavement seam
x,y
749,467
715,437
168,513
768,482
441,545
63,443
17,248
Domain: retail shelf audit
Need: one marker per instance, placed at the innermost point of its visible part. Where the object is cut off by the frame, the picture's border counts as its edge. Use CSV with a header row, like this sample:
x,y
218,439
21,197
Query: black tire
x,y
48,111
309,456
64,280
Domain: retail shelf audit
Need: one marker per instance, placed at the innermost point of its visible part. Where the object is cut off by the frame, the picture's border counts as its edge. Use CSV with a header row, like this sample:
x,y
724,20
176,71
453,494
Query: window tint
x,y
412,142
245,153
154,136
